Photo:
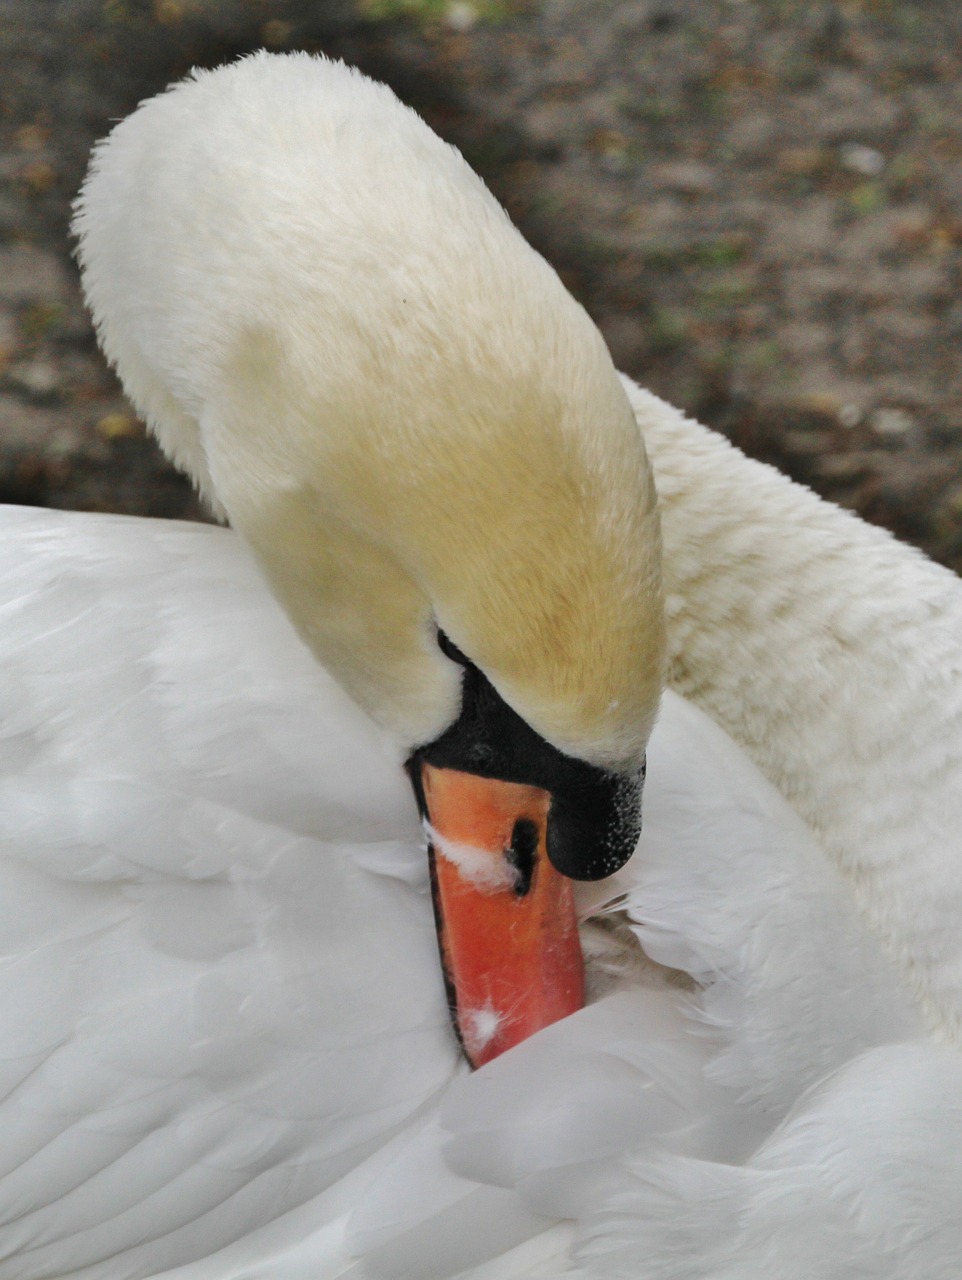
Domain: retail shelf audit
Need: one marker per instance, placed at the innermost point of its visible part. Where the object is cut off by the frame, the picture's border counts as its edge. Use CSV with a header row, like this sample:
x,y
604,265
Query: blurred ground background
x,y
759,201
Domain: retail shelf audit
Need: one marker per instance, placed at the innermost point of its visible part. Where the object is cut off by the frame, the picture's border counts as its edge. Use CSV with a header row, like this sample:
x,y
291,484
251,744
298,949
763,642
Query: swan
x,y
226,1051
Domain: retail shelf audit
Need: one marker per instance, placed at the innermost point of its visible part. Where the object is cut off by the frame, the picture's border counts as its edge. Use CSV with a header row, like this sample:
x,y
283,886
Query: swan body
x,y
217,899
247,1070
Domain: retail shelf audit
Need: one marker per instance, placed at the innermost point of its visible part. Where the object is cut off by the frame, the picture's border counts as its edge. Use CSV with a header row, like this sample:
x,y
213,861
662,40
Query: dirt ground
x,y
759,201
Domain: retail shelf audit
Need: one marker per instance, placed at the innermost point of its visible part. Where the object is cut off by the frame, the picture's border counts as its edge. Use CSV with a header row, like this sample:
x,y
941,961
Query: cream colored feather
x,y
833,654
308,315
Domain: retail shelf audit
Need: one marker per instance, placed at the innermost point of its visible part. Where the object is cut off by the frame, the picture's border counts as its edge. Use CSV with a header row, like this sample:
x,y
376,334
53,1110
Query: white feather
x,y
216,1019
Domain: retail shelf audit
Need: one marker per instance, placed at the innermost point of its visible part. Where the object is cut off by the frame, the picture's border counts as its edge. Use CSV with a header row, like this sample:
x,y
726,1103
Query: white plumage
x,y
222,998
225,1049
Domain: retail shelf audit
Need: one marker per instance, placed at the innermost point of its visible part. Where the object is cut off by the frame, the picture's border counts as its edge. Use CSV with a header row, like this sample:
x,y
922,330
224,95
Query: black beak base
x,y
593,827
595,816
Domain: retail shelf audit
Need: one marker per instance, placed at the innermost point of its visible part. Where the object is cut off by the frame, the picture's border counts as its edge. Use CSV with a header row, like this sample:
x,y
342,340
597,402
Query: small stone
x,y
891,422
32,137
864,160
461,16
806,443
688,177
612,146
117,426
843,466
39,176
38,378
945,238
850,415
822,403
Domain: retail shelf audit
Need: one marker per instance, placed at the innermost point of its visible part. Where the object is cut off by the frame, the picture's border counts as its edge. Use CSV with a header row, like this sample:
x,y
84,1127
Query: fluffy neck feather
x,y
833,654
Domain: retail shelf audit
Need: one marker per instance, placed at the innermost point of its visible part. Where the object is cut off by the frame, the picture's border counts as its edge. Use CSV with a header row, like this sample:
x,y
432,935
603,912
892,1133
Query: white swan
x,y
225,1040
230,1045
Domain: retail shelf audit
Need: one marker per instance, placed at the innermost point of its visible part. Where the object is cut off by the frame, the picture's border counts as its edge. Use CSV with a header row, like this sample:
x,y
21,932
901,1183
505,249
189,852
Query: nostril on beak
x,y
522,854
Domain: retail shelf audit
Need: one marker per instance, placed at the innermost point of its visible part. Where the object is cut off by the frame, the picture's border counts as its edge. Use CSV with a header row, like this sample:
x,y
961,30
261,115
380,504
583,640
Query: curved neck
x,y
833,654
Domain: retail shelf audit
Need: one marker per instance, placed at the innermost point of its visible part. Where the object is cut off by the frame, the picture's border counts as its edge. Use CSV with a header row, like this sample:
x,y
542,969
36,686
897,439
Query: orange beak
x,y
505,917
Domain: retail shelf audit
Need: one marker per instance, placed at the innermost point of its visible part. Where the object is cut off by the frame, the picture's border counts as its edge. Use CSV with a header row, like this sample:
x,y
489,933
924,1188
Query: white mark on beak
x,y
488,872
479,1027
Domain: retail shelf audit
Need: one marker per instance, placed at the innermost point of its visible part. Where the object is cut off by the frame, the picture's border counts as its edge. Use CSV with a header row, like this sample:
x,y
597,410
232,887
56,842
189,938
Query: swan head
x,y
330,323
